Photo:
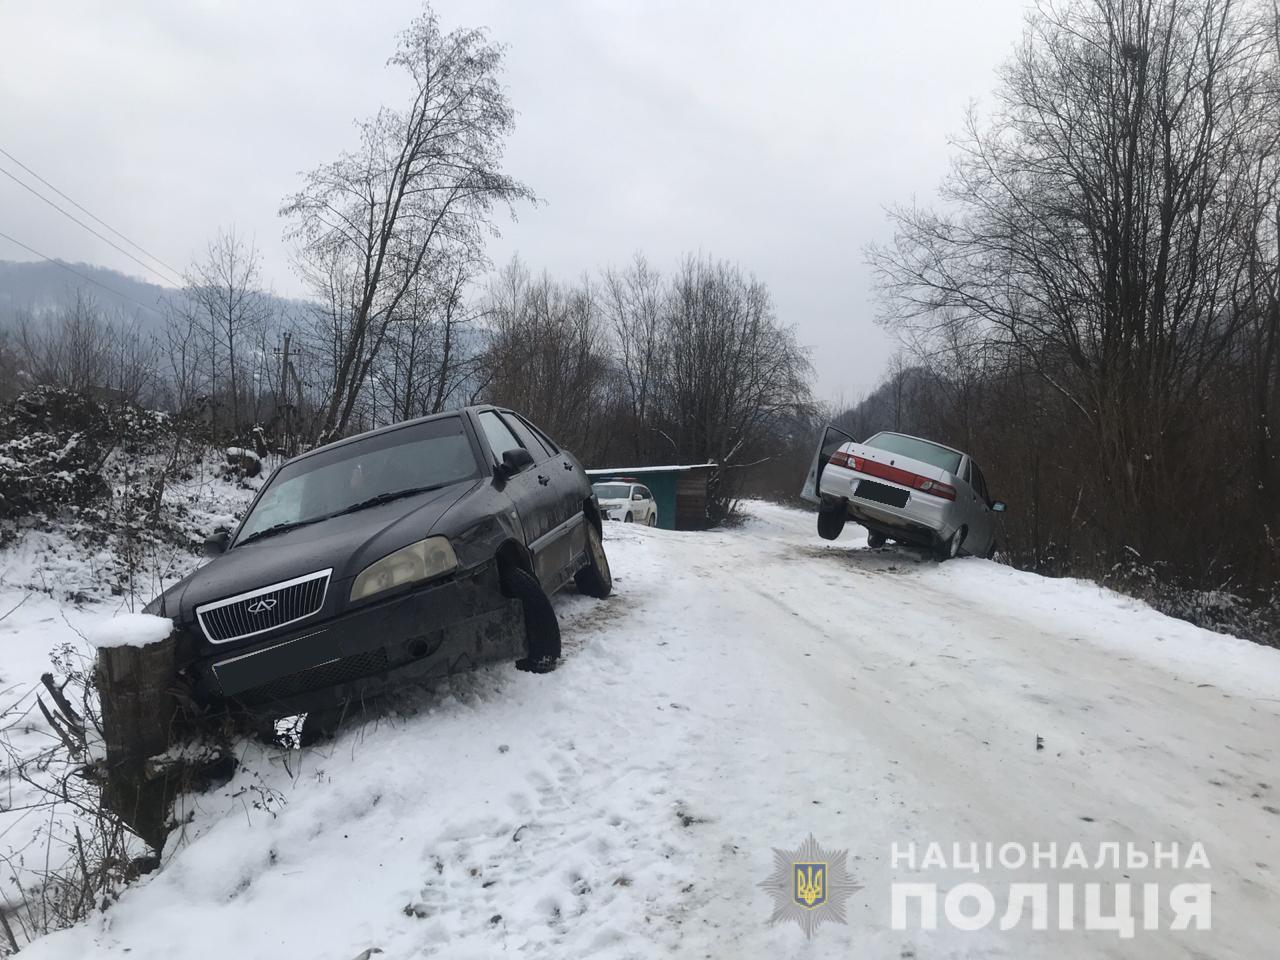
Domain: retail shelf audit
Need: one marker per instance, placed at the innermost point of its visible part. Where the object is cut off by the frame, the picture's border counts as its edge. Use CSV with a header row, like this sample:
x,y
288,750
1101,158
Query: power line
x,y
90,214
82,276
74,219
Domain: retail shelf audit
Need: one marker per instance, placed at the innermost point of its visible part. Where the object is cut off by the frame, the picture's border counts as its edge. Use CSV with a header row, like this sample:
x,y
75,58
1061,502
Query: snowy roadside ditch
x,y
71,576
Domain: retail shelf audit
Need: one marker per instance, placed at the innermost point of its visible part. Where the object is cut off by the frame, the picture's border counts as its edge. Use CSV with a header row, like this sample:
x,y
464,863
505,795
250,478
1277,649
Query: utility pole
x,y
284,394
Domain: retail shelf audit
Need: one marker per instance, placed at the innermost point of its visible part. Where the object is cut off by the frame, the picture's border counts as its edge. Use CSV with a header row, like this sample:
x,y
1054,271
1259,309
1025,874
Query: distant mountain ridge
x,y
40,287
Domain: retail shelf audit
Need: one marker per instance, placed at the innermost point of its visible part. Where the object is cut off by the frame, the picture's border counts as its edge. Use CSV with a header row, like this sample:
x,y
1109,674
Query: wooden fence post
x,y
135,687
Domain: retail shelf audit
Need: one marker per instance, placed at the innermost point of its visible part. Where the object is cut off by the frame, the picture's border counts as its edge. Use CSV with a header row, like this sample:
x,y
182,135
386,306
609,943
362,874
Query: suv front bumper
x,y
434,631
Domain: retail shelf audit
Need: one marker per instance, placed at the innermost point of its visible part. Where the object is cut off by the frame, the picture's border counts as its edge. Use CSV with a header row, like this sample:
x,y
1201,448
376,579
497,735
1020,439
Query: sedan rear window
x,y
422,456
923,450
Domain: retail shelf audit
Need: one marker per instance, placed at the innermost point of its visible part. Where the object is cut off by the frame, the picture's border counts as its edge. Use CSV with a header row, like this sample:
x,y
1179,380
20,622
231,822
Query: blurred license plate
x,y
881,493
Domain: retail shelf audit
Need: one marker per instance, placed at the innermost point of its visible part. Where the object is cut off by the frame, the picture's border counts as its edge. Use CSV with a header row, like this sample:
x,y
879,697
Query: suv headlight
x,y
423,560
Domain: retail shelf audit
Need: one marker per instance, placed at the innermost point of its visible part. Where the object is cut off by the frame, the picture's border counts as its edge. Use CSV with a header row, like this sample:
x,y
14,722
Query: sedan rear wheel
x,y
876,540
541,628
595,579
831,518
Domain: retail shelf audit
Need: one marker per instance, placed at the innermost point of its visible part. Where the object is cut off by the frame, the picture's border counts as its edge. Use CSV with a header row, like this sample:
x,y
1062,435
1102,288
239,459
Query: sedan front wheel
x,y
541,628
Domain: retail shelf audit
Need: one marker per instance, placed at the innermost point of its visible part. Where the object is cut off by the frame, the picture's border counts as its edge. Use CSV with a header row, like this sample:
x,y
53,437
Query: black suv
x,y
423,548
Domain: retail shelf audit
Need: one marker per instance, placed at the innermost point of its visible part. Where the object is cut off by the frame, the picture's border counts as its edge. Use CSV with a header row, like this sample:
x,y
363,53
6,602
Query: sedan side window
x,y
528,439
980,485
500,437
546,441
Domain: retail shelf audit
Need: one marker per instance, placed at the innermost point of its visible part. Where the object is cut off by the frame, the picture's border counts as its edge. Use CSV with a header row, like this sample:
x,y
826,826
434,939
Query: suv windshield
x,y
382,467
612,491
931,453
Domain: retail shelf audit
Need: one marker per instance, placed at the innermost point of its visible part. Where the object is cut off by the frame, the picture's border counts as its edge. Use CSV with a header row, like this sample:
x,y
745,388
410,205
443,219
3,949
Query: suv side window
x,y
644,492
499,435
528,439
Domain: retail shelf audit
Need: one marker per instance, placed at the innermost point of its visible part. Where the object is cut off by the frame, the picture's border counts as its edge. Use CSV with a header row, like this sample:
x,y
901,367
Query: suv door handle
x,y
543,480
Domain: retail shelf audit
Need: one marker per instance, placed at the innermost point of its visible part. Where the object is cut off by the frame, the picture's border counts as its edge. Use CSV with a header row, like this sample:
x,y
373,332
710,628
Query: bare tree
x,y
216,330
731,366
82,349
634,301
425,179
548,356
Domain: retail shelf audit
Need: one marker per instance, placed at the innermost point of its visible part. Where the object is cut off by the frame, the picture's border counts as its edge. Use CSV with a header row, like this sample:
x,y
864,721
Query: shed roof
x,y
674,468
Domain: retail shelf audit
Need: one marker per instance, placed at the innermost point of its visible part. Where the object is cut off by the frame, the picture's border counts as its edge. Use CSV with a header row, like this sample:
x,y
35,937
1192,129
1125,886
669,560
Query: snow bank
x,y
128,630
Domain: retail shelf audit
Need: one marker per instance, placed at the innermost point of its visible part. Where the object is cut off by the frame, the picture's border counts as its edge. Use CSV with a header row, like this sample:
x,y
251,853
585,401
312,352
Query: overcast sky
x,y
771,134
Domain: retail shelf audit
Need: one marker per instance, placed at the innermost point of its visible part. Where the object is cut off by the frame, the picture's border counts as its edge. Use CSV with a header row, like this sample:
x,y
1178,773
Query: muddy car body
x,y
408,551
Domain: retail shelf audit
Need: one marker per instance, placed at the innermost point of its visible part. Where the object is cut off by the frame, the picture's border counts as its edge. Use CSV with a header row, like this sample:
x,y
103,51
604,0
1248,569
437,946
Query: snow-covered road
x,y
741,690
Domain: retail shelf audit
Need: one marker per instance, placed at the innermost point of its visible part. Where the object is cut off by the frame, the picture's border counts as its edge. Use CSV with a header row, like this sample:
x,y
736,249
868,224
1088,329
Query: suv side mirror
x,y
513,461
216,545
999,506
637,496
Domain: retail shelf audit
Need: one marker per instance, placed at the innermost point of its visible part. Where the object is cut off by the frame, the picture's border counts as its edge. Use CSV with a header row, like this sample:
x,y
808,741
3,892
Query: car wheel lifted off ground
x,y
541,627
831,518
595,579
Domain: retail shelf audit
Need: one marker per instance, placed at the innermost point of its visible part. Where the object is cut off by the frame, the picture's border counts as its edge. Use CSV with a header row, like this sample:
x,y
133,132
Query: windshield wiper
x,y
387,498
273,530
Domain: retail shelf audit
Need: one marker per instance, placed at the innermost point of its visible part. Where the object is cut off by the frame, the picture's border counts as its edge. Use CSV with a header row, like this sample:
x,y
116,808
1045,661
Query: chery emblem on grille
x,y
263,605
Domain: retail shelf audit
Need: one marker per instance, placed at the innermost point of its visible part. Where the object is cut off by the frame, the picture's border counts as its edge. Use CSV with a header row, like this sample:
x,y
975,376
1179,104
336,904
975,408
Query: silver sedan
x,y
903,488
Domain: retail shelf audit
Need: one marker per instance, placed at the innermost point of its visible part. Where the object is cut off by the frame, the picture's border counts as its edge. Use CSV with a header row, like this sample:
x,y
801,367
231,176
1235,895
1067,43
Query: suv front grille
x,y
268,608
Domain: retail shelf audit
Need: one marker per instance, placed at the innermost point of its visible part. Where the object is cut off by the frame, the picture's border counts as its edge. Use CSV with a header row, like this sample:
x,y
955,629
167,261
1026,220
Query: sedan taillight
x,y
935,487
842,459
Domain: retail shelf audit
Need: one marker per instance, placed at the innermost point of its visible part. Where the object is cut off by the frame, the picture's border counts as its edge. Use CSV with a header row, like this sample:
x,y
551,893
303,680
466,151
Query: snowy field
x,y
740,690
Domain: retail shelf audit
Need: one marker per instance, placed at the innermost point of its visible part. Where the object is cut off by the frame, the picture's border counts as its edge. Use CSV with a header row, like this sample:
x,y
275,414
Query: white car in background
x,y
627,501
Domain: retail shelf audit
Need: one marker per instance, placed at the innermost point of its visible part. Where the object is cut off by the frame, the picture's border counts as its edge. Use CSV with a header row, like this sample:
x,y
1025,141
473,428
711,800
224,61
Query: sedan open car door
x,y
832,439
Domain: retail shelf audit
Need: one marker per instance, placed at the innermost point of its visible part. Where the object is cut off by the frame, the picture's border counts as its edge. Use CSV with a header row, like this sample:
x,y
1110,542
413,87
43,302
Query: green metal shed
x,y
680,491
